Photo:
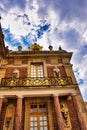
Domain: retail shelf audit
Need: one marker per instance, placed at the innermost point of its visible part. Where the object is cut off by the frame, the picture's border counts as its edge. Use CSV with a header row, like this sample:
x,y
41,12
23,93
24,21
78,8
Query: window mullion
x,y
37,70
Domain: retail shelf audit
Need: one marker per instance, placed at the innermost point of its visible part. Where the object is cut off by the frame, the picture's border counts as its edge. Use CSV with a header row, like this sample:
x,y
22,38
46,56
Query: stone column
x,y
58,113
1,101
18,117
83,124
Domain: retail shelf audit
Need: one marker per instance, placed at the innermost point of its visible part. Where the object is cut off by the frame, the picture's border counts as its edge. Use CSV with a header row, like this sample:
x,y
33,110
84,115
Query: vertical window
x,y
43,123
33,123
36,70
38,117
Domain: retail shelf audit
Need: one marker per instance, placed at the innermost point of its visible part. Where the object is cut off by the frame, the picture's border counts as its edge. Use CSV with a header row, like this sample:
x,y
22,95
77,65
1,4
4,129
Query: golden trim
x,y
35,47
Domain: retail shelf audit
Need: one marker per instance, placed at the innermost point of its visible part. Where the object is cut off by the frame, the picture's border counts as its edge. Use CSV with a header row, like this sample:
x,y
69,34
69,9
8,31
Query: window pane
x,y
41,128
45,110
31,118
45,122
41,123
42,108
35,118
41,117
31,123
31,128
33,109
45,128
45,118
35,123
35,128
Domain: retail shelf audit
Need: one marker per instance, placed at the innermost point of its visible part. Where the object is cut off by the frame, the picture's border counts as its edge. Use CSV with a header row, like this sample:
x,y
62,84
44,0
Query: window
x,y
36,70
43,123
33,109
38,117
33,123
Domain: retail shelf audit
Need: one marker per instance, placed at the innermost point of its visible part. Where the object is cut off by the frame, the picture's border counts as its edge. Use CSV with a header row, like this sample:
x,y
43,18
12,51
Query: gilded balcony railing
x,y
38,81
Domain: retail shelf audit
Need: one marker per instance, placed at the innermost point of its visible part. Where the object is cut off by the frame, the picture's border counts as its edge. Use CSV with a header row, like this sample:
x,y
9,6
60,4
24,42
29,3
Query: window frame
x,y
37,69
39,114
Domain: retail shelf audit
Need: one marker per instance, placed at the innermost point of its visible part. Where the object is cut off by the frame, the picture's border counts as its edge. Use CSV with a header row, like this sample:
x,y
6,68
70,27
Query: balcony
x,y
35,82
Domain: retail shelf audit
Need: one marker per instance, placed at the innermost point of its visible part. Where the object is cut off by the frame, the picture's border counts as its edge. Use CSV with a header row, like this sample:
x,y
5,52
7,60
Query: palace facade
x,y
38,90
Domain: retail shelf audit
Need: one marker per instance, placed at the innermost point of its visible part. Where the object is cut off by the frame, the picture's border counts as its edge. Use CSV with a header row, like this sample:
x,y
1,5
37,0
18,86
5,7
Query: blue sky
x,y
55,22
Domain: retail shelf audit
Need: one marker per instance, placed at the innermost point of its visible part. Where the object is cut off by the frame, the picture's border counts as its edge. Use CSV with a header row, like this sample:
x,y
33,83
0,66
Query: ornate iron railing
x,y
38,81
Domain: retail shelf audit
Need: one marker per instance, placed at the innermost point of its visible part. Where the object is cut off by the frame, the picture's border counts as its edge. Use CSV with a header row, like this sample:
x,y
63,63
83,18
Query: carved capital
x,y
55,94
19,96
73,94
1,96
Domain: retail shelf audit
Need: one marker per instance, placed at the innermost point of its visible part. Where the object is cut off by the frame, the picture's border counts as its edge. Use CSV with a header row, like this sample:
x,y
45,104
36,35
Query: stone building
x,y
38,90
86,106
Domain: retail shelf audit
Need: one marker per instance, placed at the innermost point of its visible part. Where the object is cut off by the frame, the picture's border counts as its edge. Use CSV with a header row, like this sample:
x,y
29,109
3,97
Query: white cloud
x,y
43,41
2,6
81,74
83,88
83,68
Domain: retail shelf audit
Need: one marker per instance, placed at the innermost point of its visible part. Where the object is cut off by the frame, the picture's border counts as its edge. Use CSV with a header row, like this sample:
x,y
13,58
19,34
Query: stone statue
x,y
56,72
64,111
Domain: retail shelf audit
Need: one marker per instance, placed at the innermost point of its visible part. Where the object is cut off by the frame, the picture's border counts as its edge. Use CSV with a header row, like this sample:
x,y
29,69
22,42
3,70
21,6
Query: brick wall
x,y
50,71
73,115
10,61
22,71
62,71
60,60
24,61
48,61
4,106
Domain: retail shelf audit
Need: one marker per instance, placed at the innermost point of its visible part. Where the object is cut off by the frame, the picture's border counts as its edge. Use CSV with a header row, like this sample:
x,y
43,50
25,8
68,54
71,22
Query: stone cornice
x,y
31,54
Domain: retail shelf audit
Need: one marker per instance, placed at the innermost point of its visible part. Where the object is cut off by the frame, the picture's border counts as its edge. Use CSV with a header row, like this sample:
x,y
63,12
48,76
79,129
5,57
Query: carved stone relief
x,y
65,115
9,118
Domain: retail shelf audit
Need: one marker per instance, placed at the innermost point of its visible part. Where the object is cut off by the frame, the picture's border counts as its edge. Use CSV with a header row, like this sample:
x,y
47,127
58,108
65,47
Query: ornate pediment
x,y
35,47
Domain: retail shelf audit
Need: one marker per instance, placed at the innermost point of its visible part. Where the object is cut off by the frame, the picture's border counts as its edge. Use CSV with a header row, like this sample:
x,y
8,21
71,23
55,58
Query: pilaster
x,y
58,113
18,117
